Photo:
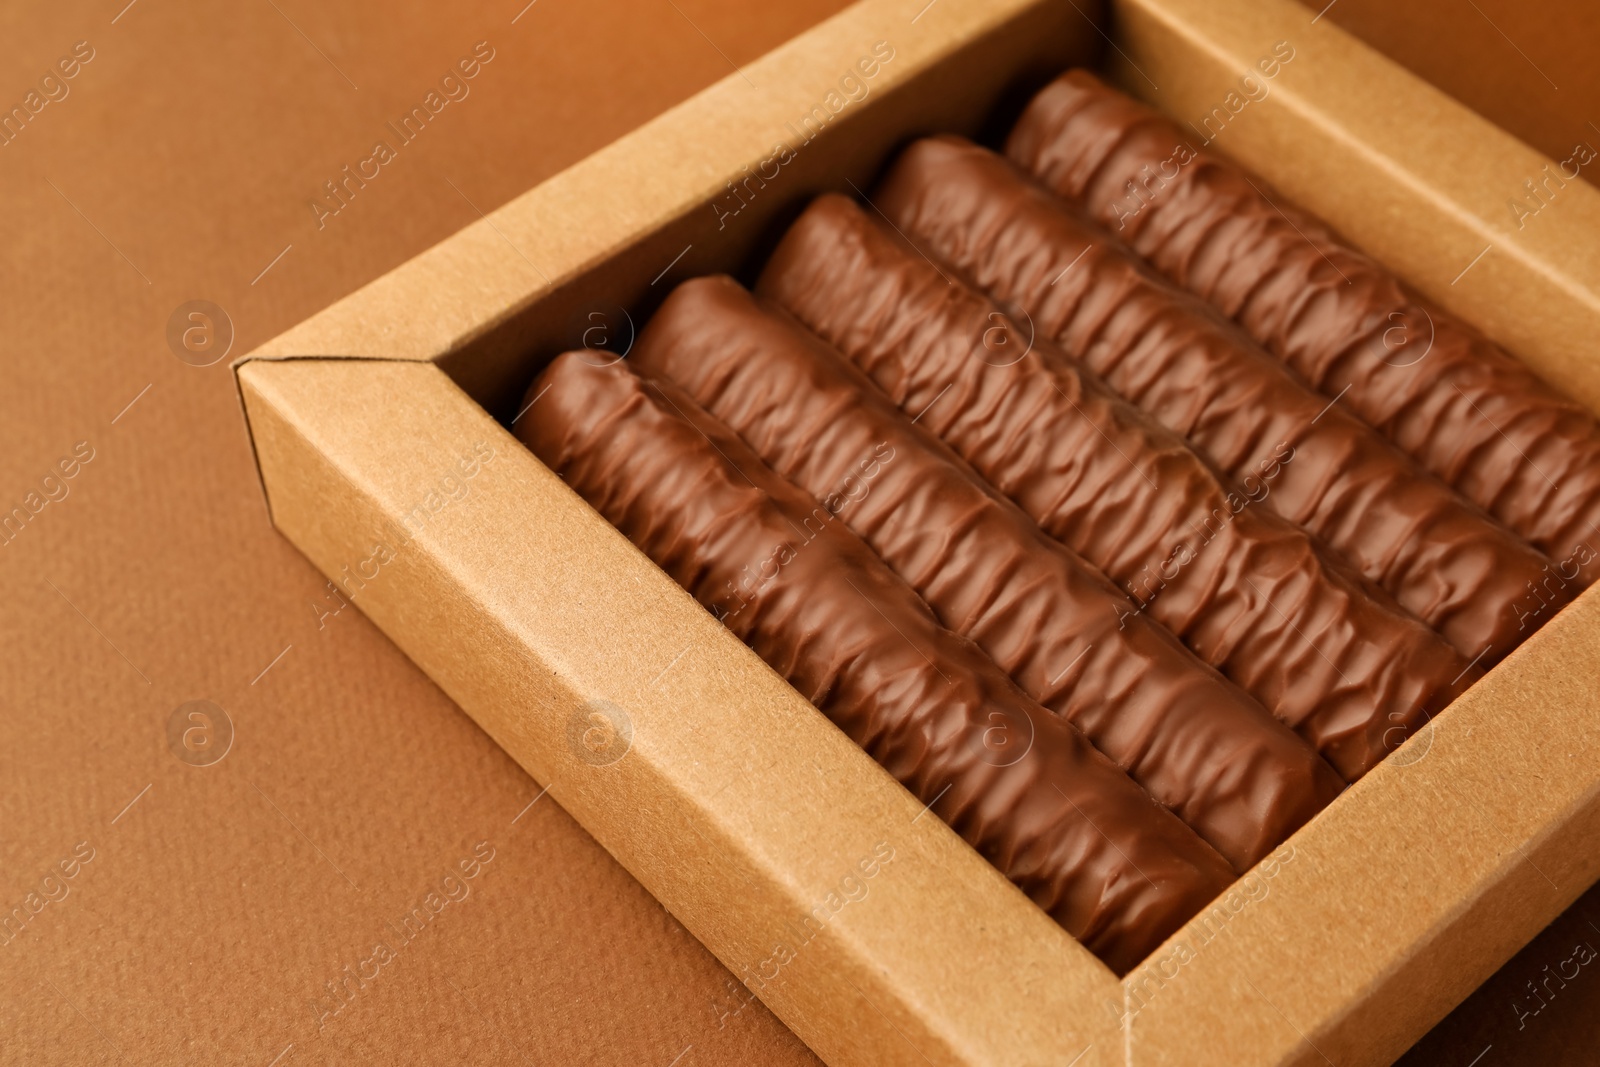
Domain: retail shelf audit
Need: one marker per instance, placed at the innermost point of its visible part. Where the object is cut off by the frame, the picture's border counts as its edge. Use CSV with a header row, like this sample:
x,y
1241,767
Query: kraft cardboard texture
x,y
1362,931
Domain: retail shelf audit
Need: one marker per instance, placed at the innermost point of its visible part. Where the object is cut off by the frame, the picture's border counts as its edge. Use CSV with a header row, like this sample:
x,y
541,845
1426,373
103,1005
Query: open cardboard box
x,y
874,932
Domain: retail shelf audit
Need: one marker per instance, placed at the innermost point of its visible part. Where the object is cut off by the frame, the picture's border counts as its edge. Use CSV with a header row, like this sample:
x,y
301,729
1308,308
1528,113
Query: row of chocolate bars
x,y
1125,590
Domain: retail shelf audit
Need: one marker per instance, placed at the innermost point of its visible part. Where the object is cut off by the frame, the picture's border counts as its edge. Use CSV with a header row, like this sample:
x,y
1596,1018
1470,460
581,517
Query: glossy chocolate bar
x,y
1247,591
1068,637
1169,353
1460,405
1021,784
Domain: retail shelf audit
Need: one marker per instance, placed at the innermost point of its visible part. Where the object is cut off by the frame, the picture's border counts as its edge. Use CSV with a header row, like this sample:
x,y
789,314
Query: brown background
x,y
219,903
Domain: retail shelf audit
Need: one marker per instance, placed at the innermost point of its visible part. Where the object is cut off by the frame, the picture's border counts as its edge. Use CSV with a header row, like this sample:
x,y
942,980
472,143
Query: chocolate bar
x,y
1196,742
1248,592
1022,785
1171,355
1465,409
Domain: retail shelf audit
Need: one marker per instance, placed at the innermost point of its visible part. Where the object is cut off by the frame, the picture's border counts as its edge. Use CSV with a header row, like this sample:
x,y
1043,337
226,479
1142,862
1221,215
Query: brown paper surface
x,y
216,906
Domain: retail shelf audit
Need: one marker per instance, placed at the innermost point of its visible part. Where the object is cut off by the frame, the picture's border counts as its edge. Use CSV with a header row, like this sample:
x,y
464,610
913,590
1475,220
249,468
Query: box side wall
x,y
722,790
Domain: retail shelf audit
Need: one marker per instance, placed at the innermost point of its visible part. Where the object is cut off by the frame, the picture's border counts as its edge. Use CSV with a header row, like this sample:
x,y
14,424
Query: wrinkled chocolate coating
x,y
1060,820
1197,743
1247,591
1170,354
1460,405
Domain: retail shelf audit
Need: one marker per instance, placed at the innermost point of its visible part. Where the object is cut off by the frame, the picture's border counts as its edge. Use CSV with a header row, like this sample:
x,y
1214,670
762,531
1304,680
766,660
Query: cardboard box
x,y
874,932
